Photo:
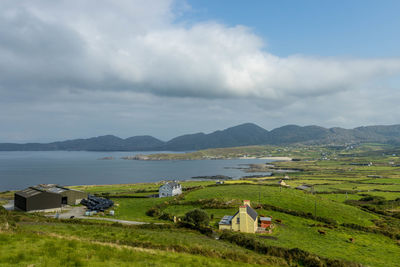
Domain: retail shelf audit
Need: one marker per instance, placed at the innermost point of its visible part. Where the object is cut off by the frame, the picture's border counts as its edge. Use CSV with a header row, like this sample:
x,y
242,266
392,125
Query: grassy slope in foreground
x,y
27,249
172,239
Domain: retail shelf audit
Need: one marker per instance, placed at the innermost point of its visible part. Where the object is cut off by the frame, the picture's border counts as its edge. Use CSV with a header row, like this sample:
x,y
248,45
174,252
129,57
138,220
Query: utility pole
x,y
315,203
315,208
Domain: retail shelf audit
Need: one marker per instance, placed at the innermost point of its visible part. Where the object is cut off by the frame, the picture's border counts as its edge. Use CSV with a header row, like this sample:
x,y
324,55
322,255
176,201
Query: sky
x,y
82,68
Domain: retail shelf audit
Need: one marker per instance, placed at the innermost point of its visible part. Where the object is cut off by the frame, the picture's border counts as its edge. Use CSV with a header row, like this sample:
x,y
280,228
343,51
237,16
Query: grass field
x,y
287,198
33,250
348,203
181,240
135,208
368,248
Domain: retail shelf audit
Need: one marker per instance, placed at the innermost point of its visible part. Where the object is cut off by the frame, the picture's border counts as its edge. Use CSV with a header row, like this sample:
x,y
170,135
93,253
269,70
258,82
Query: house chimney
x,y
243,218
246,202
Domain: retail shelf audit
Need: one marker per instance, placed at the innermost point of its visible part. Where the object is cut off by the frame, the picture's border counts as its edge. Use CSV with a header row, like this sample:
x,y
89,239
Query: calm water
x,y
21,169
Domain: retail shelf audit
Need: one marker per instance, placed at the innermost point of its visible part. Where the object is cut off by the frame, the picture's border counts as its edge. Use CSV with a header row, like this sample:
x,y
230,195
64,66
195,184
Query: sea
x,y
21,169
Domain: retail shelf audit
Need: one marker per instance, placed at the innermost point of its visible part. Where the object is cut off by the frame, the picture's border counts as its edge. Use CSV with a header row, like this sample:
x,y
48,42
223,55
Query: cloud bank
x,y
73,57
137,46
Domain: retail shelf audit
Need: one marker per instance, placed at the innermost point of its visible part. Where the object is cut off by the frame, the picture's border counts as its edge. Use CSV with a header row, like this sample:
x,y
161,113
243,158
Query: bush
x,y
166,217
197,217
153,212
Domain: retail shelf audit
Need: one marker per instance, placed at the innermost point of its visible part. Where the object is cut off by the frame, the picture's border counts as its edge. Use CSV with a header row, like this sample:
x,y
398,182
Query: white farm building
x,y
170,189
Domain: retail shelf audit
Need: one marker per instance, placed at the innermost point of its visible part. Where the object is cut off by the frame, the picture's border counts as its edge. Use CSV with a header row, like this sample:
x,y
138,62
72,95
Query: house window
x,y
237,220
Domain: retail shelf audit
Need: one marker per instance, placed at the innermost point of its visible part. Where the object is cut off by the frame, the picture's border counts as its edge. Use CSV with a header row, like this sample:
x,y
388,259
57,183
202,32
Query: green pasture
x,y
383,181
134,188
117,188
386,195
181,240
357,187
286,198
134,209
368,248
33,250
340,197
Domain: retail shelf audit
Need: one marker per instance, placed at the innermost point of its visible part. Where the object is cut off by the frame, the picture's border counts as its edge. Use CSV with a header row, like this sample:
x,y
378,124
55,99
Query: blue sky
x,y
74,69
356,28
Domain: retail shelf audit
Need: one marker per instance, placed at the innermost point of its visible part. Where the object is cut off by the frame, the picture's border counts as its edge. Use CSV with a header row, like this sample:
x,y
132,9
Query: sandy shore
x,y
277,158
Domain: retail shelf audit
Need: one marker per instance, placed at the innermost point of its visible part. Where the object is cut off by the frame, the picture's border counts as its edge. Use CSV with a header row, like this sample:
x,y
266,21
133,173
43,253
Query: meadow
x,y
354,198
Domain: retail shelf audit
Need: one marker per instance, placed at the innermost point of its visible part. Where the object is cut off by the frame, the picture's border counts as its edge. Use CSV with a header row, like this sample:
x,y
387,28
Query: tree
x,y
197,217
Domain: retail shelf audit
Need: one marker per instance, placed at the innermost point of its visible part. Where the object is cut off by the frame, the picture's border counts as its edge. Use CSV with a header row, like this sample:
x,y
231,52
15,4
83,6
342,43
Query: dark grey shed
x,y
47,196
35,199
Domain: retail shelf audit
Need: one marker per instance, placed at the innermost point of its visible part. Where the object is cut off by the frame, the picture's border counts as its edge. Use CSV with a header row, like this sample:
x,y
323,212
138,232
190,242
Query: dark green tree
x,y
197,217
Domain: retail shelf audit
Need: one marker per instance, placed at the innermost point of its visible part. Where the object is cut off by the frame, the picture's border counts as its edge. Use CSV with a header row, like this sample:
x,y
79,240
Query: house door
x,y
64,200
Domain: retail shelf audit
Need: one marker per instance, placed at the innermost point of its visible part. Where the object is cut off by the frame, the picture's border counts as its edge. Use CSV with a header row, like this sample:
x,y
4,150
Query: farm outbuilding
x,y
265,222
46,196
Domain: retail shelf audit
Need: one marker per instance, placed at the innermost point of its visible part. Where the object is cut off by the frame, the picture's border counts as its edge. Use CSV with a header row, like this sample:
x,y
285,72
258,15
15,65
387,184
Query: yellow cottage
x,y
245,220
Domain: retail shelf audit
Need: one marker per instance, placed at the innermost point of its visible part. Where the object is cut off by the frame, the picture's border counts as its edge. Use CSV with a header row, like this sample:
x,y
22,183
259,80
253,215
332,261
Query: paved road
x,y
113,220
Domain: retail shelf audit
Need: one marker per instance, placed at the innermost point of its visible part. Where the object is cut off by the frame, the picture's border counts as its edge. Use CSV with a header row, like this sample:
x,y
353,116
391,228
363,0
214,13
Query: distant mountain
x,y
290,134
241,135
100,143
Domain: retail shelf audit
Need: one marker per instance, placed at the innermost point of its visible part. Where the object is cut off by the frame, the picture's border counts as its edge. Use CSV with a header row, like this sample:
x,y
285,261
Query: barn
x,y
46,196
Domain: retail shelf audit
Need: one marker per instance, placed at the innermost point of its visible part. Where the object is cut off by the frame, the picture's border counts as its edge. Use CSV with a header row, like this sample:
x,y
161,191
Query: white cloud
x,y
121,59
136,46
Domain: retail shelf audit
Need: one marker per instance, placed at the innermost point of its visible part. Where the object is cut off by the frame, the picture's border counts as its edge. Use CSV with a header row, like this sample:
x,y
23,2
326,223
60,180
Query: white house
x,y
170,189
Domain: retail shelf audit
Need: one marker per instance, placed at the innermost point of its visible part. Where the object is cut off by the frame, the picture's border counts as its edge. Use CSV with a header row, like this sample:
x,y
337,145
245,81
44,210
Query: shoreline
x,y
270,158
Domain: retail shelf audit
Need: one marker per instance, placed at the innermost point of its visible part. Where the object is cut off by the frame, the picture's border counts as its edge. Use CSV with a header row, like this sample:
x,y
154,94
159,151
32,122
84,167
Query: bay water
x,y
21,169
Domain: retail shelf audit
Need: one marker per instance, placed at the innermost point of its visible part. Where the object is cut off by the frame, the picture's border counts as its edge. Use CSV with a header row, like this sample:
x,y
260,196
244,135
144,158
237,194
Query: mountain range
x,y
241,135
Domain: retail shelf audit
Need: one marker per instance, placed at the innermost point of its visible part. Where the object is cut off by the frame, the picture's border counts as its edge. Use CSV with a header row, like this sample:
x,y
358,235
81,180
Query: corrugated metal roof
x,y
52,188
227,220
29,192
265,219
37,189
56,190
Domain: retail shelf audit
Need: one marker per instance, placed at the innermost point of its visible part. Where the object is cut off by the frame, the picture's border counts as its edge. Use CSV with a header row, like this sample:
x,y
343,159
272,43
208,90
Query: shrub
x,y
153,212
197,217
166,217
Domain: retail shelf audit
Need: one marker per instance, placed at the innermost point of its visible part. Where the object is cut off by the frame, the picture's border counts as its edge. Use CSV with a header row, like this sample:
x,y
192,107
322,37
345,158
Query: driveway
x,y
79,213
9,205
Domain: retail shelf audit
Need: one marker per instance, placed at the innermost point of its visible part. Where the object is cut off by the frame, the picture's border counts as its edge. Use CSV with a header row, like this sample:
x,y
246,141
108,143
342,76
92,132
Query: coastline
x,y
269,158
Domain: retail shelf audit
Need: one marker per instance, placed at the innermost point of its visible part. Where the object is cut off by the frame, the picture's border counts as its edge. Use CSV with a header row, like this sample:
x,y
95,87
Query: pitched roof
x,y
171,184
29,192
251,212
227,220
37,189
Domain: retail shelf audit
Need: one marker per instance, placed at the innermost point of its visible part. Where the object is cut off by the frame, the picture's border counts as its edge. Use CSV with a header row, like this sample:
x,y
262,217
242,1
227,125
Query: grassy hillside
x,y
355,203
287,198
